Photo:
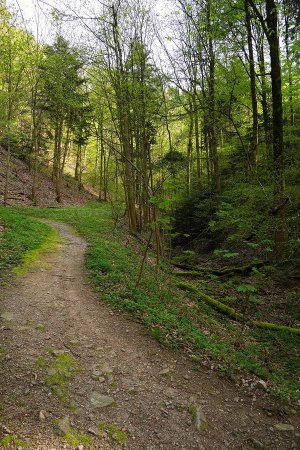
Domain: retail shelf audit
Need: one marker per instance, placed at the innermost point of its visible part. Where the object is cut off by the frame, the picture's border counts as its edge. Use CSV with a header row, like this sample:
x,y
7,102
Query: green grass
x,y
175,318
21,241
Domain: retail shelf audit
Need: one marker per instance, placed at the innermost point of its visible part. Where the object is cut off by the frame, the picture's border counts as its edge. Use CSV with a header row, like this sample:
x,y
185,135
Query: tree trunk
x,y
102,164
189,151
35,162
254,136
121,89
264,97
212,107
58,162
287,54
9,118
197,137
280,228
66,150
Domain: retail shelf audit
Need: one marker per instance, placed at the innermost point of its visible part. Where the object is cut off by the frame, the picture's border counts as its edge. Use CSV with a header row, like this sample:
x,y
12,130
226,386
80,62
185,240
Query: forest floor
x,y
21,179
78,374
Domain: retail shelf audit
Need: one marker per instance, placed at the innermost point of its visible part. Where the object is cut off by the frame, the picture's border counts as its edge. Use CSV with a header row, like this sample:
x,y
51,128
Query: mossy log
x,y
243,270
274,326
189,273
233,313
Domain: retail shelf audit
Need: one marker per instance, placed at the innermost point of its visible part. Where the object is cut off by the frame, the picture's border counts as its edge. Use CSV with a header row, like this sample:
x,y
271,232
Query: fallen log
x,y
233,313
243,270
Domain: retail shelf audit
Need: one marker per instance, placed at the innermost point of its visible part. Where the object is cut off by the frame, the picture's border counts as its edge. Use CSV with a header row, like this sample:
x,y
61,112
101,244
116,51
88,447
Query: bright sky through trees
x,y
39,12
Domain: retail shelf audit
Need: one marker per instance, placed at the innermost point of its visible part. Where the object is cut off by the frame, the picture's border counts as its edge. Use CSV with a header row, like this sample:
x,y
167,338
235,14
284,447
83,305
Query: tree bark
x,y
190,151
212,106
254,135
280,229
270,27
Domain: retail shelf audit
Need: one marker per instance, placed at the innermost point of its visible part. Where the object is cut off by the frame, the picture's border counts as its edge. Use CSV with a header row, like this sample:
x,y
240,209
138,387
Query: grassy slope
x,y
172,317
21,238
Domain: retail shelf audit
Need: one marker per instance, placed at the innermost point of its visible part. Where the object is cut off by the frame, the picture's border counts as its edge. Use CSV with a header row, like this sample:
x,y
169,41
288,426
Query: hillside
x,y
20,183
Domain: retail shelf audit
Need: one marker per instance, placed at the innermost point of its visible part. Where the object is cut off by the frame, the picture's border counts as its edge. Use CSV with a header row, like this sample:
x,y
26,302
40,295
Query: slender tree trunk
x,y
7,172
212,106
167,122
121,88
77,163
58,172
102,163
190,151
8,118
197,137
254,136
36,119
288,60
106,161
66,150
35,162
264,97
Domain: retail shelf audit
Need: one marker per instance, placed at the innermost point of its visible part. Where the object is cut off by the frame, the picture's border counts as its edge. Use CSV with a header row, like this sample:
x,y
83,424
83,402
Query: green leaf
x,y
244,288
254,299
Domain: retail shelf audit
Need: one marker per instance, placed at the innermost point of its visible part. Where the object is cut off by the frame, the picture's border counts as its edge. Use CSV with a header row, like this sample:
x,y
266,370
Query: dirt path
x,y
53,312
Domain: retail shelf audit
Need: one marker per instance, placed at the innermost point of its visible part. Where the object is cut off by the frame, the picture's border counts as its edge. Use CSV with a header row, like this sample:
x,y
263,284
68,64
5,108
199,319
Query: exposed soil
x,y
54,307
20,183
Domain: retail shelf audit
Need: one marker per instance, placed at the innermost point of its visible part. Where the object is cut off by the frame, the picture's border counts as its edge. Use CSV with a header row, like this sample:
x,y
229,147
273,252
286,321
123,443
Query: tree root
x,y
233,314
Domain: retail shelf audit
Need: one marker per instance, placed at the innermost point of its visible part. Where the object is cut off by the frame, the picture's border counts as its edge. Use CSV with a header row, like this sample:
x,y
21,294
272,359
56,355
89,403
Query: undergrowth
x,y
174,318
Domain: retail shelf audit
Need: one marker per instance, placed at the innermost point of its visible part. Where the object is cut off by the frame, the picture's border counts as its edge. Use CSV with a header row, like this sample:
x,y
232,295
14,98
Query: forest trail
x,y
70,363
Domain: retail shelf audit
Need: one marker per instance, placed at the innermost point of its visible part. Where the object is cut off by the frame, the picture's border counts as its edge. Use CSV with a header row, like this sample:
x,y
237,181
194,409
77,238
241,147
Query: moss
x,y
231,312
60,373
275,327
198,417
40,327
224,308
41,362
13,441
114,432
32,257
73,438
29,322
196,358
64,429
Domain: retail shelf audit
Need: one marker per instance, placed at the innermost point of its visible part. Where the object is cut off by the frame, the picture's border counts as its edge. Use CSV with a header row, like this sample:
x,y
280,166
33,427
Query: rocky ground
x,y
75,374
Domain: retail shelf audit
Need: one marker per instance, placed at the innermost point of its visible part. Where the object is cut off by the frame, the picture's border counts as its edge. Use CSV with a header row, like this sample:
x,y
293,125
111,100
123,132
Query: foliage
x,y
193,216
